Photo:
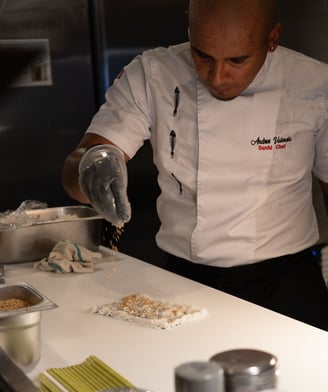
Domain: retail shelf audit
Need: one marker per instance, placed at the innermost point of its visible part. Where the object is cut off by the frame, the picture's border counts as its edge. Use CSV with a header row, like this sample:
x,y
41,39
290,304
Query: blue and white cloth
x,y
68,257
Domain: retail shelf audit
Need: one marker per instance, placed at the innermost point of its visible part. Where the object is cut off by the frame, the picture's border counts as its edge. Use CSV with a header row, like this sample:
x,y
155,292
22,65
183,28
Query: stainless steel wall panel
x,y
39,125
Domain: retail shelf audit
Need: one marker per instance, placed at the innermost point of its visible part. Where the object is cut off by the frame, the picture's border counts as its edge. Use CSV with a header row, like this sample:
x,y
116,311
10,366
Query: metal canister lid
x,y
247,370
245,361
199,376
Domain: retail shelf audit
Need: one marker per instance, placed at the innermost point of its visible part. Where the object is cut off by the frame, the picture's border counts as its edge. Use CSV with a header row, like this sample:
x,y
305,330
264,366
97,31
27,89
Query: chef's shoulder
x,y
174,60
304,71
175,53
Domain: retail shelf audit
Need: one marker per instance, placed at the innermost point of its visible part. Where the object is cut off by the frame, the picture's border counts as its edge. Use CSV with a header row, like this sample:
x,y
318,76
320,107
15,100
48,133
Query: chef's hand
x,y
103,179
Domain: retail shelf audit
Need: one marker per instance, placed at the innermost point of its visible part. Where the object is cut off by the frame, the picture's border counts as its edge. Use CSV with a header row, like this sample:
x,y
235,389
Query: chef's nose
x,y
218,73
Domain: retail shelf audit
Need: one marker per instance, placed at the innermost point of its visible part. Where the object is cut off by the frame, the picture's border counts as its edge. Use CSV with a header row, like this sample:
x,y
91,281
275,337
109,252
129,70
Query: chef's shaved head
x,y
263,11
229,42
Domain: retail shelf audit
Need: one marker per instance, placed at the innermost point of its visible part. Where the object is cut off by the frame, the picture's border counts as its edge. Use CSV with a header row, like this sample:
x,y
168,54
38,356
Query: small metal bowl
x,y
20,335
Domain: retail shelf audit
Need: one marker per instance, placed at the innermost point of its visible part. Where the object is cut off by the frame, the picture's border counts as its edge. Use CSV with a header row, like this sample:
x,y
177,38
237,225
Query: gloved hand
x,y
103,179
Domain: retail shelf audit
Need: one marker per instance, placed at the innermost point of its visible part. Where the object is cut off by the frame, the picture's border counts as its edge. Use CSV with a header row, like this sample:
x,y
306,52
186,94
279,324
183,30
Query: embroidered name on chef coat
x,y
277,142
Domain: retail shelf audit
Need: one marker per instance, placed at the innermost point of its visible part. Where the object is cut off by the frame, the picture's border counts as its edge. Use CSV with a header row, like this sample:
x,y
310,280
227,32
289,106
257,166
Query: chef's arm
x,y
70,172
324,188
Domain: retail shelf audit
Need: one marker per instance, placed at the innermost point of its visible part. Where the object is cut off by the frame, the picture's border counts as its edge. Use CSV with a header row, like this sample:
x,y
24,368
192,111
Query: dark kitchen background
x,y
81,46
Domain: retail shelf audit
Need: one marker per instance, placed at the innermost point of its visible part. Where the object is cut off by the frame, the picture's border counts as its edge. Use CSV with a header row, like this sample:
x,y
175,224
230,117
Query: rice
x,y
12,304
144,310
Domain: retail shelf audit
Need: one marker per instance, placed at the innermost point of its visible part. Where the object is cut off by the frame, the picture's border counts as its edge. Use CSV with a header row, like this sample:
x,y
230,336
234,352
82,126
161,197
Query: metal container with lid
x,y
199,376
247,370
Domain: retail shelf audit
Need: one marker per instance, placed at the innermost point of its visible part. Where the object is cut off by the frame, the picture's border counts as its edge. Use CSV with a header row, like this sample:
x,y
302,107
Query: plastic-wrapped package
x,y
12,219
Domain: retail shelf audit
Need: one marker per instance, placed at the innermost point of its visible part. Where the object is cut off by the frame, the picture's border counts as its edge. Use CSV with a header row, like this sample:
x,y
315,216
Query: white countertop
x,y
147,357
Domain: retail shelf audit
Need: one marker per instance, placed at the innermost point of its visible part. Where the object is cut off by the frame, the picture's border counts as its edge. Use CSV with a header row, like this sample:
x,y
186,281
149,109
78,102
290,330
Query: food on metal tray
x,y
13,303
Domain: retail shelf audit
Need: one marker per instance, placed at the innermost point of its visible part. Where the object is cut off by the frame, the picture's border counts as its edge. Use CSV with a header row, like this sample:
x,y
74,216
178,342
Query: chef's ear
x,y
274,37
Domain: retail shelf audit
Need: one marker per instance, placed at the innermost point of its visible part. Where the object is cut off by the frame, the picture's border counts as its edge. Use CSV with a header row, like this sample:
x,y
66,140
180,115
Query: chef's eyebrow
x,y
238,59
200,53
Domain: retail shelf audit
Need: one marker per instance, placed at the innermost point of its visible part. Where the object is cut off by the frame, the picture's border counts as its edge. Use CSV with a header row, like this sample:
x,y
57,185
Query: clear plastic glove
x,y
103,179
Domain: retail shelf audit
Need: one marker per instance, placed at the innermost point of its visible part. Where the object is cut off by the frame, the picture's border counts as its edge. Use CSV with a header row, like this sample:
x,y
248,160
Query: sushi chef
x,y
238,125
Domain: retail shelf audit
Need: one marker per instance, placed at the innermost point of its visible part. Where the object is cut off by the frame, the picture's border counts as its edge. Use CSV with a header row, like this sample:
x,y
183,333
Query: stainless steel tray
x,y
12,378
79,224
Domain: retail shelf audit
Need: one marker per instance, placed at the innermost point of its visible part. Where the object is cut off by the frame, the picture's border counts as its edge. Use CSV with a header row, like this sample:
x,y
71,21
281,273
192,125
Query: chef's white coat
x,y
236,178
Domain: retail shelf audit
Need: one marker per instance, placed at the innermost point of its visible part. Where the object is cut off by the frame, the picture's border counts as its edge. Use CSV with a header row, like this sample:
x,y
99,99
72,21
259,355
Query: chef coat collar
x,y
261,81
